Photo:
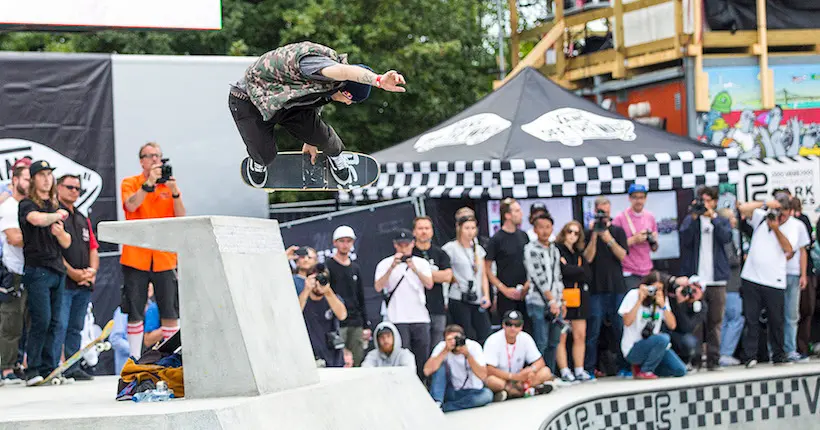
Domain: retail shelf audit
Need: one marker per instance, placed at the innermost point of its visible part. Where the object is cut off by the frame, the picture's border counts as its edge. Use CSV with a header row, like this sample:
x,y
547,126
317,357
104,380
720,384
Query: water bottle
x,y
159,394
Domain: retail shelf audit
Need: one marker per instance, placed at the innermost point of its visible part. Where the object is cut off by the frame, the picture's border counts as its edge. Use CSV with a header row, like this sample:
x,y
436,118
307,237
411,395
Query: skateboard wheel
x,y
99,347
107,346
56,381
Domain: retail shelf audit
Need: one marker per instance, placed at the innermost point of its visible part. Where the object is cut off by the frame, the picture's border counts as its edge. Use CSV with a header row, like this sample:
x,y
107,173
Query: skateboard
x,y
293,171
100,344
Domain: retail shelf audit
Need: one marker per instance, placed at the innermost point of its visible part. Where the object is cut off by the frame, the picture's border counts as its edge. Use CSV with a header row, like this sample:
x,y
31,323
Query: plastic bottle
x,y
161,393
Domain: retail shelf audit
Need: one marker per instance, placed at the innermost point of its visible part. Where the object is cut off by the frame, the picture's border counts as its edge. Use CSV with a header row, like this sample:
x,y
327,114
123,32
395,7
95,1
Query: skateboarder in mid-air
x,y
288,86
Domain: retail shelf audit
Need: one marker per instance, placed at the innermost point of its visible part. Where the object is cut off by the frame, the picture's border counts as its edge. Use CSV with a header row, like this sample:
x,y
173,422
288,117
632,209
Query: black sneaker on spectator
x,y
500,396
751,363
544,388
79,375
19,371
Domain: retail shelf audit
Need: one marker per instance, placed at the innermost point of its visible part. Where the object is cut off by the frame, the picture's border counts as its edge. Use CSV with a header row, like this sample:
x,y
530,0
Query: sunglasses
x,y
151,156
517,324
73,188
575,232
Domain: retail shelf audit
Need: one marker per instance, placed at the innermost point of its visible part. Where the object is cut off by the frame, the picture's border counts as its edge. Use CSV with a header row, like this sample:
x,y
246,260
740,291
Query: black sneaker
x,y
19,371
257,173
80,375
340,169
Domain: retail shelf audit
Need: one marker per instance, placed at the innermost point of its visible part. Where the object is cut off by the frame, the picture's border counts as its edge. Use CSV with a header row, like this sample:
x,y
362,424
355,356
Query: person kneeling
x,y
458,384
644,309
515,366
389,352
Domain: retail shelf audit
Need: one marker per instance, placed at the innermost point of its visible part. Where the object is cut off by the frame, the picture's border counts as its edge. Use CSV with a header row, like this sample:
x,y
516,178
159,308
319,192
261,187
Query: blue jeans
x,y
653,355
791,313
45,295
455,400
732,327
539,326
603,306
74,308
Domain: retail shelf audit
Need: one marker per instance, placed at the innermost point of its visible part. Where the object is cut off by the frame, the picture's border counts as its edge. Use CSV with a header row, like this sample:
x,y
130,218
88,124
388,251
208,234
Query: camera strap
x,y
393,291
629,221
472,262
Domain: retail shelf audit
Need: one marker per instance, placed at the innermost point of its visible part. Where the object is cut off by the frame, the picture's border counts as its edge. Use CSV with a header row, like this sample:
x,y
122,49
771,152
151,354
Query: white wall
x,y
180,102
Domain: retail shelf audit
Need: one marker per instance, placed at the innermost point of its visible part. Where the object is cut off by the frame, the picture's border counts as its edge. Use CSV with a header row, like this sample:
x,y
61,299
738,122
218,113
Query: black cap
x,y
403,235
39,166
538,207
513,315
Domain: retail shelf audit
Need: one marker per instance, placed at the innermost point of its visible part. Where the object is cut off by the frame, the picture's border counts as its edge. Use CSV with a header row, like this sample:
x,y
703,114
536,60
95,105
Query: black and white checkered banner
x,y
730,405
550,178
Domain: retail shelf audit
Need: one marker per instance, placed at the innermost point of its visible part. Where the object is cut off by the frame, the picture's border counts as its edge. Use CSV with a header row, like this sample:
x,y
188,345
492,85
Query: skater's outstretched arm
x,y
389,81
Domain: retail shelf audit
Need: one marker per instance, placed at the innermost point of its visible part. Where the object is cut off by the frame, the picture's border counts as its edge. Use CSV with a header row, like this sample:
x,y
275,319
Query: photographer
x,y
605,251
458,384
644,309
773,243
306,258
404,279
323,310
641,235
703,239
154,193
389,351
690,317
469,292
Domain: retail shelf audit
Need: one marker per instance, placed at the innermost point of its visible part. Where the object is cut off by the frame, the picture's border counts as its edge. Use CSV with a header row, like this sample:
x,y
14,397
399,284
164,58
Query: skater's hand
x,y
154,174
391,80
312,150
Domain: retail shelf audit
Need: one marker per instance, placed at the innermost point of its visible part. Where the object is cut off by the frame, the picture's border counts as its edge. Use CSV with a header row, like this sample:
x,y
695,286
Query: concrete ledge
x,y
344,399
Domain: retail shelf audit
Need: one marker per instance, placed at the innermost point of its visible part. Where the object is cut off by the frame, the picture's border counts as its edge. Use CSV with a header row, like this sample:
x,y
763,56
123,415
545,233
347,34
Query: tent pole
x,y
502,67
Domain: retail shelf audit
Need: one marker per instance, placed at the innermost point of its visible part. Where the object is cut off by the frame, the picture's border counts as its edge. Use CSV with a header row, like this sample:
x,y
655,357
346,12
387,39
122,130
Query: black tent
x,y
532,138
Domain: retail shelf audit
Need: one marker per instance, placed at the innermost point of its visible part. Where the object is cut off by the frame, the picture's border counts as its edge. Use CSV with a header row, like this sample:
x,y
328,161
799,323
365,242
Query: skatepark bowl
x,y
248,364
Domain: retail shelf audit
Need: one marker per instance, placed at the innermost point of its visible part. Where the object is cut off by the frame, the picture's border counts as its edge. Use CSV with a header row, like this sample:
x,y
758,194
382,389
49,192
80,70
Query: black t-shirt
x,y
40,247
78,255
346,281
507,250
607,271
320,320
439,260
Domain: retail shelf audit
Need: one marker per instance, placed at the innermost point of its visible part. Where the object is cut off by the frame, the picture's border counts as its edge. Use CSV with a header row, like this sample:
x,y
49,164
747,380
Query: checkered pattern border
x,y
695,408
550,178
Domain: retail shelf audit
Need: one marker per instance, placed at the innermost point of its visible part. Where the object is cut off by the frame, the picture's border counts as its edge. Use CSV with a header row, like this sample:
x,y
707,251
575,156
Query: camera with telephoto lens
x,y
167,171
470,295
650,239
698,207
460,340
601,221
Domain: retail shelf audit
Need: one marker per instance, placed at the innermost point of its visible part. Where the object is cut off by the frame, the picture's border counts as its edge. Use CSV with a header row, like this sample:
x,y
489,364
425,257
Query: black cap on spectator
x,y
39,166
403,235
512,315
538,207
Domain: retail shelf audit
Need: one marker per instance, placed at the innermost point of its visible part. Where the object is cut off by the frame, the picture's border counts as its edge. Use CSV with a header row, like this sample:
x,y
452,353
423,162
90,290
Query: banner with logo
x,y
800,175
374,227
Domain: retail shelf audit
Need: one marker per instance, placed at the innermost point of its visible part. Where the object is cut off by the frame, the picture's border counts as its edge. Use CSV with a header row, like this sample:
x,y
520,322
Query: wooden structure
x,y
621,61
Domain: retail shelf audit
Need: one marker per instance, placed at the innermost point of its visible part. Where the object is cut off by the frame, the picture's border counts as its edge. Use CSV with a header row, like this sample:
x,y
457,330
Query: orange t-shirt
x,y
159,204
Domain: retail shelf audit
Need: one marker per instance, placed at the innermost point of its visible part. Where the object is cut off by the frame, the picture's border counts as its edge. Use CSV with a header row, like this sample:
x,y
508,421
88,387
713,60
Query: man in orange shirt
x,y
147,196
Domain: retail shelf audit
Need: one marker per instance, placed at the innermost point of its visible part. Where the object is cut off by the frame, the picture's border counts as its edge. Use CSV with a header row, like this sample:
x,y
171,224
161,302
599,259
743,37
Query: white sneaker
x,y
32,381
567,378
341,170
257,173
583,376
728,360
500,396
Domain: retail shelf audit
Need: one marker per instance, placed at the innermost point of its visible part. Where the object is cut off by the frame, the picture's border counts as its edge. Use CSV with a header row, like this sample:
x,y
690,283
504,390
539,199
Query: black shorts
x,y
135,293
581,312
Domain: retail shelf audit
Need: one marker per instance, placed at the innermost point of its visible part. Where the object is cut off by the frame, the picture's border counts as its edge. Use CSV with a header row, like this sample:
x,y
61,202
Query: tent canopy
x,y
532,138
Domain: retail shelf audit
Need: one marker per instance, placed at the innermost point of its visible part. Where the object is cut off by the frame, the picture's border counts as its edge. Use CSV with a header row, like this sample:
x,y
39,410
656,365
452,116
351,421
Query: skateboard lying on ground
x,y
293,171
100,344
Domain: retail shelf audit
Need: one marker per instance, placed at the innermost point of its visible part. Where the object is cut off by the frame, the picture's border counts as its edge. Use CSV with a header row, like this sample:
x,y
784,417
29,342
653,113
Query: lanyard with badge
x,y
510,355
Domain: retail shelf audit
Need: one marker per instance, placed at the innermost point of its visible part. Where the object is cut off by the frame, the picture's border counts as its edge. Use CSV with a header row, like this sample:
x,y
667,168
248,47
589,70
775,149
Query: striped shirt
x,y
543,271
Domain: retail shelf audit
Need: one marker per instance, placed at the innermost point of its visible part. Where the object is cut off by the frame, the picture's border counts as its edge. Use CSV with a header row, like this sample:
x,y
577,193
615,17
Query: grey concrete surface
x,y
243,331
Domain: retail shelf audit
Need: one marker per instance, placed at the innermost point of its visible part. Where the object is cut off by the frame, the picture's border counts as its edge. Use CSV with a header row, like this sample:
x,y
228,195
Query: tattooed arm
x,y
389,81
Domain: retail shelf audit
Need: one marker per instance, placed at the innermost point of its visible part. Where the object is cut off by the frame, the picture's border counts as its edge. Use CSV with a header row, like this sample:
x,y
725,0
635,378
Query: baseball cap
x,y
403,235
512,315
343,231
537,207
25,161
359,92
39,166
637,188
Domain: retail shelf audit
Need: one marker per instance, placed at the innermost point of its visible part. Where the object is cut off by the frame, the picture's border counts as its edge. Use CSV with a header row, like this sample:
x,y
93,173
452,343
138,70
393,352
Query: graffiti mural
x,y
736,118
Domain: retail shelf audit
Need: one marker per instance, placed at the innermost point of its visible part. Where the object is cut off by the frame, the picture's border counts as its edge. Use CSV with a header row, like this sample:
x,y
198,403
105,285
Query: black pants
x,y
476,324
715,297
755,298
304,125
416,338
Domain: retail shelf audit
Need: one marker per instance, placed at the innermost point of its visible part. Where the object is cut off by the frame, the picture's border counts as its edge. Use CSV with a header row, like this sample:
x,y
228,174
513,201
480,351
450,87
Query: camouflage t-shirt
x,y
311,66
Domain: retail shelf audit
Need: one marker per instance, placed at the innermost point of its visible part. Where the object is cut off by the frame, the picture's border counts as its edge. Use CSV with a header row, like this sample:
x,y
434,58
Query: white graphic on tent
x,y
12,150
571,127
468,131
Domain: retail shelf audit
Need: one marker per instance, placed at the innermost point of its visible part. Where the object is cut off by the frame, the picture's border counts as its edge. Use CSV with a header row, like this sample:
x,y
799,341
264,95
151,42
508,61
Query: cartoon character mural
x,y
735,118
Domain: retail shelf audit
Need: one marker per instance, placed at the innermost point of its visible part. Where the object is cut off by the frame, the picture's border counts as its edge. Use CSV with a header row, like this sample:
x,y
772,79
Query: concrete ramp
x,y
764,398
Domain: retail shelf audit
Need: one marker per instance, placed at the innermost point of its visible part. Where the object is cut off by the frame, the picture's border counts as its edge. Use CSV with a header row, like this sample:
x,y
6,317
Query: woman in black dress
x,y
577,275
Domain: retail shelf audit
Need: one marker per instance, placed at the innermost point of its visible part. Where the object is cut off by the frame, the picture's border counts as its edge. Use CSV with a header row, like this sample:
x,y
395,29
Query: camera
x,y
698,207
648,329
334,340
301,252
460,340
470,295
601,220
651,290
772,214
321,274
404,258
650,239
167,171
687,291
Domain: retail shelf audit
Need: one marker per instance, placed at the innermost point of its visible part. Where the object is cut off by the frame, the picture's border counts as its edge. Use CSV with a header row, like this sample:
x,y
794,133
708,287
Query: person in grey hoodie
x,y
389,352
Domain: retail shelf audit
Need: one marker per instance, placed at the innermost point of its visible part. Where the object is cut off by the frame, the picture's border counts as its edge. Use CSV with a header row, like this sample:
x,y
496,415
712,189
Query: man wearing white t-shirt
x,y
457,370
764,274
403,279
12,311
515,366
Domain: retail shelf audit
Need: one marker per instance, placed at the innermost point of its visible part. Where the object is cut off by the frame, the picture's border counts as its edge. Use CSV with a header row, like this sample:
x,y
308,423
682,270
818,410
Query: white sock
x,y
565,372
168,332
135,333
579,370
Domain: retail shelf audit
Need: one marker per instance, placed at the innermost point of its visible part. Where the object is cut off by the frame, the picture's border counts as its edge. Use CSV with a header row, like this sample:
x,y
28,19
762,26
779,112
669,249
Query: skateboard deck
x,y
100,343
292,171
